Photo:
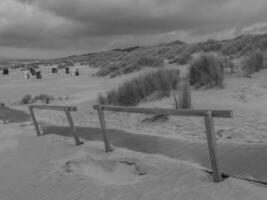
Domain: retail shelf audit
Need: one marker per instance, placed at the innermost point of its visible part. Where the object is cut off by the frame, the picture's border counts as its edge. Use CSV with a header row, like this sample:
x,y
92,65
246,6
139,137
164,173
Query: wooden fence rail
x,y
206,114
66,109
53,107
174,112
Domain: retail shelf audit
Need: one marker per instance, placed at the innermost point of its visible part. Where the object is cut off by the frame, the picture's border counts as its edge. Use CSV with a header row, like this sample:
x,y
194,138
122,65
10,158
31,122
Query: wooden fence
x,y
67,110
3,113
208,116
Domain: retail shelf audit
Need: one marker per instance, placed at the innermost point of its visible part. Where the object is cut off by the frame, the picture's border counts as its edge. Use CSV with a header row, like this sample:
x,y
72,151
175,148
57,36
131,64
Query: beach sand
x,y
30,162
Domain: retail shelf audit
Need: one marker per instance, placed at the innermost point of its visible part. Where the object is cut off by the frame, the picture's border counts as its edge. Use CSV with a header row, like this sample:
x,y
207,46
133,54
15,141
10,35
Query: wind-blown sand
x,y
245,96
35,162
30,162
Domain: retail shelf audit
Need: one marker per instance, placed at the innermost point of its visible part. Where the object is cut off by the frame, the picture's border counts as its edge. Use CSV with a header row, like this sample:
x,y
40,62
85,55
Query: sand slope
x,y
51,167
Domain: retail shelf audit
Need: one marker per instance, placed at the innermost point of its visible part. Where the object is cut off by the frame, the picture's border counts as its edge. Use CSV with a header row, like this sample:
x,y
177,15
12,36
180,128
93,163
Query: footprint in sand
x,y
246,94
116,172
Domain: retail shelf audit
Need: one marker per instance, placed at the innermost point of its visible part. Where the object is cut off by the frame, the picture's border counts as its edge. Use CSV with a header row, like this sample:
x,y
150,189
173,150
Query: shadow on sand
x,y
14,116
236,159
117,137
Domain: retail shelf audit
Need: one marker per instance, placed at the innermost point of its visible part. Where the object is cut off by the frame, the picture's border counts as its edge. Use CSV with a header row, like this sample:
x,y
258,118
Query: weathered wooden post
x,y
211,138
222,77
2,110
103,127
34,121
186,94
73,129
182,94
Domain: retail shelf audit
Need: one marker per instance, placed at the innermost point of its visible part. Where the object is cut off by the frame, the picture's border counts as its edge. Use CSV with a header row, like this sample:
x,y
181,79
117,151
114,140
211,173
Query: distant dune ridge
x,y
121,61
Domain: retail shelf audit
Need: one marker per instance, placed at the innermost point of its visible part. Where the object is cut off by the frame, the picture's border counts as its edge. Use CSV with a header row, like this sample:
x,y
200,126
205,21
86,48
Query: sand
x,y
30,162
245,96
88,172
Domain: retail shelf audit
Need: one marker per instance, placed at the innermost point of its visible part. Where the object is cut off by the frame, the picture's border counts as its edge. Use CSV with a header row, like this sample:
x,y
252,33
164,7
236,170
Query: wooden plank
x,y
54,107
103,127
34,121
73,129
175,112
211,138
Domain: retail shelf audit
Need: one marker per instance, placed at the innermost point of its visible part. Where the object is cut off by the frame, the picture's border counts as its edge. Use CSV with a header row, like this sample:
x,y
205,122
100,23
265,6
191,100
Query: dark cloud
x,y
145,16
73,23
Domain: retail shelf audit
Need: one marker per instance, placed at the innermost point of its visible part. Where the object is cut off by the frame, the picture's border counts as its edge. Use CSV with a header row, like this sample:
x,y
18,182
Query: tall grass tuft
x,y
26,99
254,62
132,92
208,70
182,96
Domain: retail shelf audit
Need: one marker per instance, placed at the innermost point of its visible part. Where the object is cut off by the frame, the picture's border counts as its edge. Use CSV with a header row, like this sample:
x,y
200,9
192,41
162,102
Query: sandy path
x,y
245,161
51,167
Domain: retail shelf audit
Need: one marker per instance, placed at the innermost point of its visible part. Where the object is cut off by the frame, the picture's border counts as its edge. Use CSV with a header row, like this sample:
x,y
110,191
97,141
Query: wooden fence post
x,y
222,78
103,127
34,121
73,129
211,137
2,110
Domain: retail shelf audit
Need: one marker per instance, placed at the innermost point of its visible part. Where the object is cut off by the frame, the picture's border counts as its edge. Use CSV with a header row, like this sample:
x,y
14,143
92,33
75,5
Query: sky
x,y
55,28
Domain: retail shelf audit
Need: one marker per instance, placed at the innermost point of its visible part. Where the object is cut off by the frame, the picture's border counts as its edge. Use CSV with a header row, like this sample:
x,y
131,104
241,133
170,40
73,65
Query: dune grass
x,y
132,92
149,61
181,59
128,65
182,95
208,70
26,99
253,62
45,98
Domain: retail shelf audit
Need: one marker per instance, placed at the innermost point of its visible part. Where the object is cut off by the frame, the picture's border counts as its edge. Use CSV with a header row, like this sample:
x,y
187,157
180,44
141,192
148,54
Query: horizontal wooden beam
x,y
53,107
174,112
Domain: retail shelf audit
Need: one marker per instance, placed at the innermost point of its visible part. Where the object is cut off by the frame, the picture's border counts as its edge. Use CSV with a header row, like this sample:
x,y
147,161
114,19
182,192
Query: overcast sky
x,y
51,28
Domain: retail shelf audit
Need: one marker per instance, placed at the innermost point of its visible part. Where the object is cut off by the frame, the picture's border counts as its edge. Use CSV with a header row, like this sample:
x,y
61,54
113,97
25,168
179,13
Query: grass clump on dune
x,y
28,99
150,61
132,92
45,98
181,59
129,65
254,62
208,70
182,96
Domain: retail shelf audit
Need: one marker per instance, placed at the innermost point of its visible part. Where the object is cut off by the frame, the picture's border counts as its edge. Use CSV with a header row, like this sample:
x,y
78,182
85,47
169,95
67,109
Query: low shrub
x,y
150,61
132,92
103,71
26,99
129,69
182,59
108,70
208,70
45,98
254,62
114,74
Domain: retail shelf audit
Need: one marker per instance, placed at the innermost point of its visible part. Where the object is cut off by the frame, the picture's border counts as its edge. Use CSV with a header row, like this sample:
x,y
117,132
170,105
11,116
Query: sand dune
x,y
51,166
